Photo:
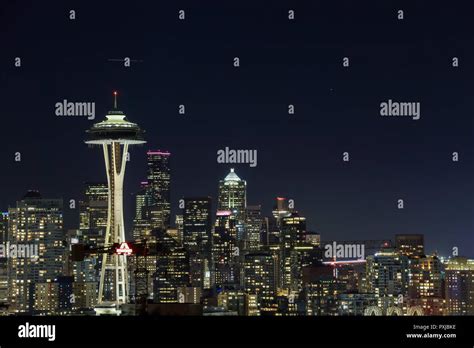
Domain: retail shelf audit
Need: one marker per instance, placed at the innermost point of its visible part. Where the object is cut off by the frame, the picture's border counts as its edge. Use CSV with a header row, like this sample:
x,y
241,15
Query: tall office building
x,y
232,197
411,245
253,227
142,223
460,286
270,231
92,228
260,275
159,180
425,277
224,254
271,225
93,209
320,290
142,268
387,275
232,193
292,236
93,214
281,209
197,224
86,270
172,269
38,223
85,273
114,135
426,285
197,238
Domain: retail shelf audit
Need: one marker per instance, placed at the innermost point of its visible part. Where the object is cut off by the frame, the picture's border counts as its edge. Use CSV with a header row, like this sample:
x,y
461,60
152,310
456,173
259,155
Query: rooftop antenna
x,y
115,100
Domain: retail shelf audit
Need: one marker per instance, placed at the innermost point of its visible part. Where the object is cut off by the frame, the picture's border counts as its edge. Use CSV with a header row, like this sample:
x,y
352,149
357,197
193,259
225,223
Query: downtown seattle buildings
x,y
215,256
35,223
204,266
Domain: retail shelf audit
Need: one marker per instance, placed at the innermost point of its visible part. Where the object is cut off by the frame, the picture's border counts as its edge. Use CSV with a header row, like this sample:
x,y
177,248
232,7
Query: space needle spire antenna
x,y
115,100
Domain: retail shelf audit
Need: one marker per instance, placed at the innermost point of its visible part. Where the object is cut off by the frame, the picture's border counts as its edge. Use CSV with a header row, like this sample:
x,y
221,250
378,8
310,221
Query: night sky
x,y
283,62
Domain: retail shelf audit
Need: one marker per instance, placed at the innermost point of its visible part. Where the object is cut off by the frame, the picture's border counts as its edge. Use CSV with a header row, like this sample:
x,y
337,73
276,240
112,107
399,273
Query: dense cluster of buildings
x,y
216,257
219,257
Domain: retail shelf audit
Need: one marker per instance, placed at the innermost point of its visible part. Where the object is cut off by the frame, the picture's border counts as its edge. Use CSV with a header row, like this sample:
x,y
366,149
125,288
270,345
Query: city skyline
x,y
72,215
129,215
231,260
246,172
417,274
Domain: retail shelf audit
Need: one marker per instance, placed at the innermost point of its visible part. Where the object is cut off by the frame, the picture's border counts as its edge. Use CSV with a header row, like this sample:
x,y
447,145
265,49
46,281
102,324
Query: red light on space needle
x,y
115,99
124,249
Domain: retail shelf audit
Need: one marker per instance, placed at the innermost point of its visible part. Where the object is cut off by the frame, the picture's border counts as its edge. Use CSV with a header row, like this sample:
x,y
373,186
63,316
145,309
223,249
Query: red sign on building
x,y
124,249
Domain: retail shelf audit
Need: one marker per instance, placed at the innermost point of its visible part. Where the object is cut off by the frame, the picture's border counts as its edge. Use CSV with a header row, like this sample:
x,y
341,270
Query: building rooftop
x,y
232,176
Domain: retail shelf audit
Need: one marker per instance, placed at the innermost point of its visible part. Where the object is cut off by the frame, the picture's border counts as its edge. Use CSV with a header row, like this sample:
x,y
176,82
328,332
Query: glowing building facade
x,y
37,222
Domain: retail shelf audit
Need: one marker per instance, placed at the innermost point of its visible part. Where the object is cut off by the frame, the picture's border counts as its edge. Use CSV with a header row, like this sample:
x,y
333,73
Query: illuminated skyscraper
x,y
292,236
270,232
197,224
92,229
460,286
253,227
425,277
426,285
197,234
260,278
172,269
387,275
142,224
114,135
281,209
320,290
271,225
224,252
36,222
159,180
232,193
93,209
232,197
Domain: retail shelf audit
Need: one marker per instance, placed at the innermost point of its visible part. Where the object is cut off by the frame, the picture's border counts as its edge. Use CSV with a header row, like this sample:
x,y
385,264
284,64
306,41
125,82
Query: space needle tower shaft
x,y
115,134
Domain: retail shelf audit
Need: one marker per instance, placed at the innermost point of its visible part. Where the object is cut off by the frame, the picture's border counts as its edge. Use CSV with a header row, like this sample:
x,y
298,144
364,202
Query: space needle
x,y
115,134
